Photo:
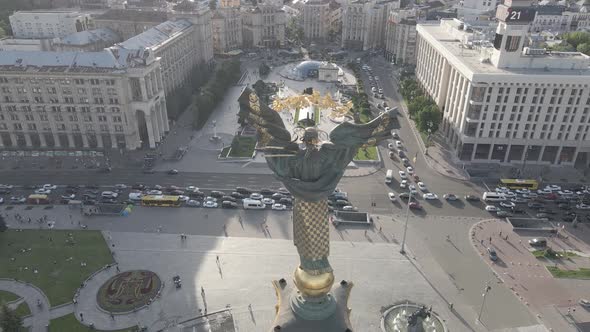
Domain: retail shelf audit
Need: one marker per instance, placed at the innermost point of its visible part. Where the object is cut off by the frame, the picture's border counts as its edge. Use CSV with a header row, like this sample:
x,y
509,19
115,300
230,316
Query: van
x,y
253,204
135,196
389,176
490,196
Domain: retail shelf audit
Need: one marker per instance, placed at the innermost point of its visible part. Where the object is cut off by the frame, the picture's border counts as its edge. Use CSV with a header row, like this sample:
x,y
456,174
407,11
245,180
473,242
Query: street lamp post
x,y
402,250
483,301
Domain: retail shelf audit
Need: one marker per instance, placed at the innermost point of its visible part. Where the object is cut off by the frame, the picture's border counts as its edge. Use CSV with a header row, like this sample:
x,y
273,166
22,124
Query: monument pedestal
x,y
290,302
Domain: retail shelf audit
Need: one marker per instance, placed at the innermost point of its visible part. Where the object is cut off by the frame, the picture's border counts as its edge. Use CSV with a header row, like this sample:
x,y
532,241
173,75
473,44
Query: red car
x,y
415,206
551,196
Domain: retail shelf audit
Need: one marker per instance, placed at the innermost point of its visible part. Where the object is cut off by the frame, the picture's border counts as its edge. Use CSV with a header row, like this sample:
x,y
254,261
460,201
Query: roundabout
x,y
128,291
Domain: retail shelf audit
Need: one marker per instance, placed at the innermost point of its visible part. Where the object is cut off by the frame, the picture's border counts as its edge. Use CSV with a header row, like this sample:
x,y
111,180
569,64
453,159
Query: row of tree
x,y
361,108
10,320
421,108
179,99
574,41
225,74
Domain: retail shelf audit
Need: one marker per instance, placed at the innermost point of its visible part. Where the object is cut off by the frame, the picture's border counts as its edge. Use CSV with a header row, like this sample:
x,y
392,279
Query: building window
x,y
88,118
104,127
79,81
32,126
118,128
102,118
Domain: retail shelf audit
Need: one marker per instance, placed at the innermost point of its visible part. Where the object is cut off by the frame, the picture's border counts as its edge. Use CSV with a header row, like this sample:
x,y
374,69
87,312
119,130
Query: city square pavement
x,y
527,277
243,275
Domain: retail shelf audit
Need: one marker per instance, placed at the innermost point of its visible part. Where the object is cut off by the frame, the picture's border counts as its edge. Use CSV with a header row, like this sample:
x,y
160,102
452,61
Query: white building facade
x,y
503,102
226,25
264,26
48,24
364,22
400,37
316,20
81,100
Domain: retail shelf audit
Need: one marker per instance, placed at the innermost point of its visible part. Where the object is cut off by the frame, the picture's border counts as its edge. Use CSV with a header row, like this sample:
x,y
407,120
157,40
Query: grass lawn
x,y
57,262
552,254
6,297
242,146
582,273
71,324
23,310
370,153
365,117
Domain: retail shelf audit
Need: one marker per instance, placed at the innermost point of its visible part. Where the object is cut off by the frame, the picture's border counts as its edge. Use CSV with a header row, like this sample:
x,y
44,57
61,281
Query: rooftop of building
x,y
48,11
470,50
550,9
133,15
156,35
89,37
109,60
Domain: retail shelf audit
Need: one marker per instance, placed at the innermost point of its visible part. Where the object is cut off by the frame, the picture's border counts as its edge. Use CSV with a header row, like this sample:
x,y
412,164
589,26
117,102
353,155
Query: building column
x,y
71,141
164,116
155,125
56,140
28,140
491,151
13,139
507,155
162,119
541,154
114,141
42,140
473,152
575,156
524,153
99,143
1,141
558,155
85,141
143,88
150,130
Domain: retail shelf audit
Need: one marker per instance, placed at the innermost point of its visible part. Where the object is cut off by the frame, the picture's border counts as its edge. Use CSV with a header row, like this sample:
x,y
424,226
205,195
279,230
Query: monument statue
x,y
310,166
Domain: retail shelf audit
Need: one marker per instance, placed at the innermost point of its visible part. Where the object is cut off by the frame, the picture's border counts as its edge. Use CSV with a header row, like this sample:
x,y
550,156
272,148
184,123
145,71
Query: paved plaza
x,y
243,275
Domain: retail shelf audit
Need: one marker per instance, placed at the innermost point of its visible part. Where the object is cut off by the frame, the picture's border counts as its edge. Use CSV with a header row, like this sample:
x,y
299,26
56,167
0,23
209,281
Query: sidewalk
x,y
39,319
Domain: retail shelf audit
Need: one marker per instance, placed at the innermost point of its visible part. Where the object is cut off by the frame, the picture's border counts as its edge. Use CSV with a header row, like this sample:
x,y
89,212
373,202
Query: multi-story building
x,y
475,10
578,16
94,4
400,37
74,100
502,101
335,18
226,25
316,23
48,23
263,26
363,23
550,18
229,3
175,42
200,18
128,23
87,41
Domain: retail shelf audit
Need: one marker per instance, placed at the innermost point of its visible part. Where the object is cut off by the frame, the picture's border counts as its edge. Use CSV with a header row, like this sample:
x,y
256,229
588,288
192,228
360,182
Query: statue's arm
x,y
349,134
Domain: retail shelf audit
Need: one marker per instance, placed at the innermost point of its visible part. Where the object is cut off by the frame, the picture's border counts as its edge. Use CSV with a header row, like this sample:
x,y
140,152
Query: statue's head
x,y
311,135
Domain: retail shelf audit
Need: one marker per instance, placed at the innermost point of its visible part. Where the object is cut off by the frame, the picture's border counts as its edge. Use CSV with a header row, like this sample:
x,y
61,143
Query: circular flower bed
x,y
128,291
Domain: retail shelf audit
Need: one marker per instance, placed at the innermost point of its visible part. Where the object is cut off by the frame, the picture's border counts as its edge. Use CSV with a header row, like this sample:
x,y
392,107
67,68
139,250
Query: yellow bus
x,y
38,199
160,200
519,184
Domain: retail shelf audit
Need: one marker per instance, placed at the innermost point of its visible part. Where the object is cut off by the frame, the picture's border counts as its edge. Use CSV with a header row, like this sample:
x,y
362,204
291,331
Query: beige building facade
x,y
400,37
364,22
316,20
81,100
264,26
226,25
48,23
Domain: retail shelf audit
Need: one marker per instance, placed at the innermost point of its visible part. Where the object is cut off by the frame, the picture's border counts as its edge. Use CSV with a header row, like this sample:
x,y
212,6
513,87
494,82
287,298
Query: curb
x,y
421,144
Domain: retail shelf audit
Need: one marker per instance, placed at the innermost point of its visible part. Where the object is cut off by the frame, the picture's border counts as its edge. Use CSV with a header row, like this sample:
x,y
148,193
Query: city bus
x,y
519,184
160,200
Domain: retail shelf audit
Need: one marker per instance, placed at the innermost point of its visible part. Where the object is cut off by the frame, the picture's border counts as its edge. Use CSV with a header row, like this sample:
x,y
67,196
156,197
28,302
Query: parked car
x,y
154,192
538,242
256,196
415,206
349,208
404,196
403,184
193,203
410,170
268,201
535,205
403,175
507,204
422,186
406,162
430,196
173,172
584,303
217,194
492,254
450,197
471,198
391,196
42,191
209,204
228,198
286,201
491,208
229,205
267,192
279,207
399,144
237,195
49,186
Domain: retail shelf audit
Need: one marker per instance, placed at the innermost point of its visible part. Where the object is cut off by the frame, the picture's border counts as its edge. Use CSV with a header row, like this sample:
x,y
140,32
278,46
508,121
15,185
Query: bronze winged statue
x,y
310,167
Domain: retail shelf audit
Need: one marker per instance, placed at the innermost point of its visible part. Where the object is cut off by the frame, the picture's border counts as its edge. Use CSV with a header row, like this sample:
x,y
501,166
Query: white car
x,y
49,186
583,206
394,134
349,208
553,187
210,199
422,186
430,196
256,196
109,194
403,184
413,190
183,198
390,146
507,204
502,189
510,194
391,196
192,202
154,192
6,186
71,196
410,170
135,196
565,193
523,191
1,200
398,144
192,189
268,201
491,208
403,175
120,186
209,204
543,192
42,191
279,207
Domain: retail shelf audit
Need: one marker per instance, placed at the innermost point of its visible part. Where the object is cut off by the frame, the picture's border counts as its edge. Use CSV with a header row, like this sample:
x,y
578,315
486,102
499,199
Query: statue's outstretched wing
x,y
273,137
350,134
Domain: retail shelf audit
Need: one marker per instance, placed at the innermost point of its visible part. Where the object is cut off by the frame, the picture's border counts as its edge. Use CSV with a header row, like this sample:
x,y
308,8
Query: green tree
x,y
3,226
576,38
584,48
563,47
212,4
10,321
429,117
418,104
263,69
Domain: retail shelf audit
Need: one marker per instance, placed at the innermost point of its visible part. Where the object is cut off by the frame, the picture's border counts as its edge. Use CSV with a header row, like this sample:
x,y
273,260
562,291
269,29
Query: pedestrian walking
x,y
451,305
490,239
500,233
365,232
380,229
506,237
202,290
481,241
81,317
118,269
217,259
249,307
112,316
